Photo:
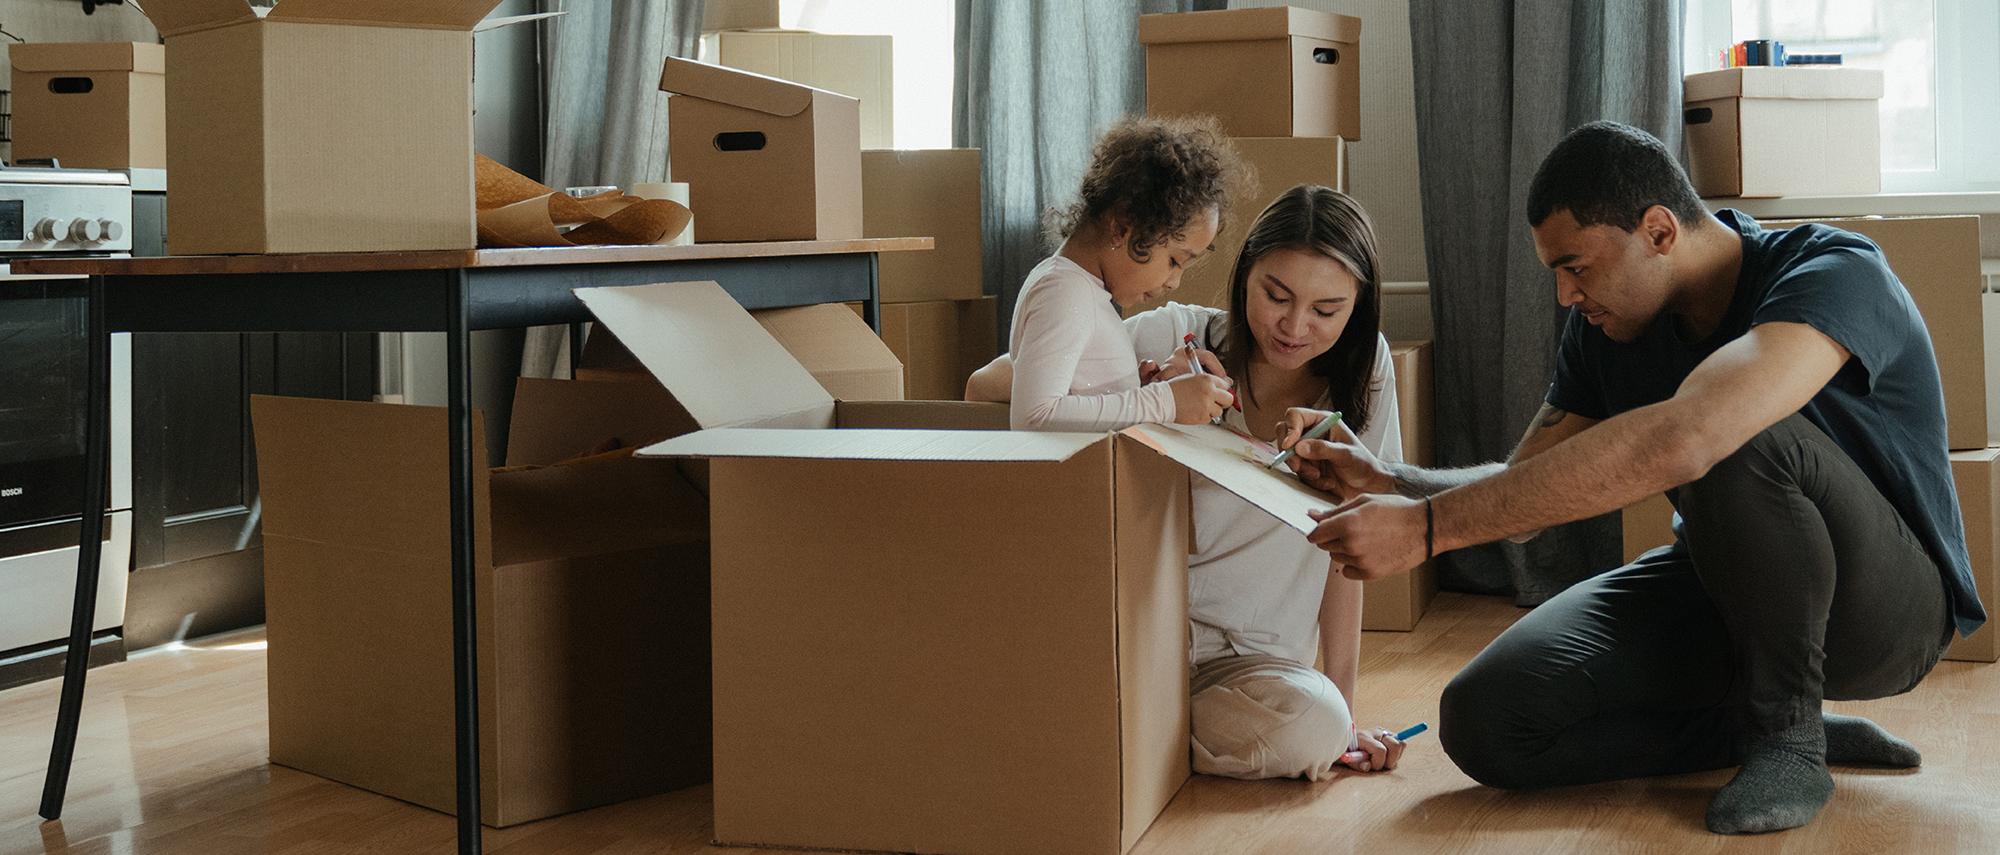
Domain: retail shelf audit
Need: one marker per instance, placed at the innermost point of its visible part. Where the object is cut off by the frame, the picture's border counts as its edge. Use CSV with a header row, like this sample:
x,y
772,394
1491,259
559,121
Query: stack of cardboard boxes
x,y
1291,104
772,38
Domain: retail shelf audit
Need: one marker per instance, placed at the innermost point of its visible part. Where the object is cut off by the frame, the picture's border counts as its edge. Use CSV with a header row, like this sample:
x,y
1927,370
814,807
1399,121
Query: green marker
x,y
1319,431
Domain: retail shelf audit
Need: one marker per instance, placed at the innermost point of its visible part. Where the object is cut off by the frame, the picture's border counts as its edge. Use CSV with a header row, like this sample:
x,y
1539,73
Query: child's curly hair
x,y
1158,173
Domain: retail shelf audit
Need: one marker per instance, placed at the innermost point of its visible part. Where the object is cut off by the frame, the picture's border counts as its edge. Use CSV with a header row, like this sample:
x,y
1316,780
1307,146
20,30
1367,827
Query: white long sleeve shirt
x,y
1254,584
1074,366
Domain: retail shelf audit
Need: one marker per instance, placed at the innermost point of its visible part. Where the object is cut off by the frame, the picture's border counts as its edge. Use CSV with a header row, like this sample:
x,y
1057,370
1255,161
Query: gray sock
x,y
1783,783
1855,741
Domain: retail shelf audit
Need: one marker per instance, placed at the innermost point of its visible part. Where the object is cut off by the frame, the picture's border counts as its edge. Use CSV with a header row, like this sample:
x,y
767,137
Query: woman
x,y
1301,337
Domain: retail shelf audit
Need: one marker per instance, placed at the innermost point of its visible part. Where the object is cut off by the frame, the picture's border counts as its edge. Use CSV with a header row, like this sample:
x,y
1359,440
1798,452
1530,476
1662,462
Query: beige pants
x,y
1267,717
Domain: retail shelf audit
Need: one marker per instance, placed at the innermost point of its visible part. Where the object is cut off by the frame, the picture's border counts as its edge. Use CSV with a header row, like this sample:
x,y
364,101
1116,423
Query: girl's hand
x,y
1150,372
1375,750
1200,398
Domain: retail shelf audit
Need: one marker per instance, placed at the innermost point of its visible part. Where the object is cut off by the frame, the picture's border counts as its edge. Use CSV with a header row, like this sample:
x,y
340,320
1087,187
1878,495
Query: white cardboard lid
x,y
716,360
1215,454
968,446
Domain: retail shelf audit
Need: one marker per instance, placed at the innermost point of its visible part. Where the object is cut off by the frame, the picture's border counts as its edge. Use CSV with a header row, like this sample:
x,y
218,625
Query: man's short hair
x,y
1606,173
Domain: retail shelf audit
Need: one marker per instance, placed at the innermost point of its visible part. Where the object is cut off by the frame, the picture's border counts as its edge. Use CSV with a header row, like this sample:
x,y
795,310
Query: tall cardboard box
x,y
1397,602
858,66
1781,131
1977,474
1937,259
99,105
1279,163
1272,72
940,344
926,193
763,158
883,675
591,581
321,126
752,15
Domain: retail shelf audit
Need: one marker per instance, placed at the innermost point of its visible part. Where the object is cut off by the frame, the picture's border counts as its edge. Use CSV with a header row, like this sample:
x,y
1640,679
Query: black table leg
x,y
96,445
575,347
465,642
871,311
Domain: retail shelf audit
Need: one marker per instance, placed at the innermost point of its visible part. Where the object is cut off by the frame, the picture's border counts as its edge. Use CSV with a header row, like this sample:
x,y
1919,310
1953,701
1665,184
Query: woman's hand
x,y
1375,750
1338,465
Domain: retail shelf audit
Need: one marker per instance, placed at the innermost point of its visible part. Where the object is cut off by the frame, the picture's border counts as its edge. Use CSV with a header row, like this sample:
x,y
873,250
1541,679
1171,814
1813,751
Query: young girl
x,y
1151,203
1302,338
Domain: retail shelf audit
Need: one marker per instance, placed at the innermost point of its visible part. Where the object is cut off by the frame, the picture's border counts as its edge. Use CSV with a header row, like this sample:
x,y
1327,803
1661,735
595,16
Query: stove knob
x,y
85,231
113,230
45,230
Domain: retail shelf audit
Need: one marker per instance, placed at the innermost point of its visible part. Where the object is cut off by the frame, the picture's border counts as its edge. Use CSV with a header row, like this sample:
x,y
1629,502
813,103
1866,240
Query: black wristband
x,y
1430,531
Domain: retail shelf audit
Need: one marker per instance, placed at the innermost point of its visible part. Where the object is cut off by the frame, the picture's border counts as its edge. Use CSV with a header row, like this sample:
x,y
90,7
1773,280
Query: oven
x,y
44,381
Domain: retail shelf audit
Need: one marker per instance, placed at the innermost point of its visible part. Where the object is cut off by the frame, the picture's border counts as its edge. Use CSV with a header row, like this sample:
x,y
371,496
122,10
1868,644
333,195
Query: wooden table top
x,y
449,259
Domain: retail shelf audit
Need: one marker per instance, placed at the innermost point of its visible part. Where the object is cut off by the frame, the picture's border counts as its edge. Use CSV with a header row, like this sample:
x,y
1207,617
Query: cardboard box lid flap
x,y
428,14
738,88
1237,25
510,20
829,338
595,505
715,359
967,446
173,17
47,57
555,420
1219,455
1783,82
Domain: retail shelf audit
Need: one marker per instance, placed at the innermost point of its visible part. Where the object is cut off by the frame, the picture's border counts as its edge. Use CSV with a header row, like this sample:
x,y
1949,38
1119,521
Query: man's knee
x,y
1768,459
1473,729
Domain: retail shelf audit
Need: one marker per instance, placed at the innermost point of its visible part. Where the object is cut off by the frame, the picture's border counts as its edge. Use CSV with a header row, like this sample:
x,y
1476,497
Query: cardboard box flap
x,y
57,57
831,341
557,420
428,14
592,506
1783,82
510,20
173,17
1237,25
1230,461
738,88
970,446
715,359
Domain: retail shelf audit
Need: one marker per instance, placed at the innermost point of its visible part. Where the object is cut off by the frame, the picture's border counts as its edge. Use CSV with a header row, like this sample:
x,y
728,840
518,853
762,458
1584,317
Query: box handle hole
x,y
1699,116
1326,55
740,141
70,85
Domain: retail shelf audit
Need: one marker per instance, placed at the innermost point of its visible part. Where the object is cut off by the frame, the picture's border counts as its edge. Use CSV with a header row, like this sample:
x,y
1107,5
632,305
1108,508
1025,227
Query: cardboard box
x,y
1648,523
1977,474
1779,131
829,340
1937,259
1279,163
753,15
360,140
858,66
763,158
99,105
941,343
1273,72
883,676
1397,602
591,580
926,193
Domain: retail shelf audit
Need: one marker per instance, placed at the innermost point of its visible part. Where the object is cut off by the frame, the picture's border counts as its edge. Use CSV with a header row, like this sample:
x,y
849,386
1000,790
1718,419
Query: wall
x,y
1382,165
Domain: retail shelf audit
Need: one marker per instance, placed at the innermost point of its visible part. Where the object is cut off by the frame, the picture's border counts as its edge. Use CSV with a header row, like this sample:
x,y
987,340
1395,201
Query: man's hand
x,y
1338,466
1373,536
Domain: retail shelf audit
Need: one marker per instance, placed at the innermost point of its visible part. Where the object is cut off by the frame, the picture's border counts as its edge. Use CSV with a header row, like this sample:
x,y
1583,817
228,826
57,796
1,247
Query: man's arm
x,y
1737,392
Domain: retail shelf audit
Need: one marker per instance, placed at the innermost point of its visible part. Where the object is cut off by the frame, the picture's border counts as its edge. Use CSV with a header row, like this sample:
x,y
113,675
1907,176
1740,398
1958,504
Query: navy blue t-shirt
x,y
1885,407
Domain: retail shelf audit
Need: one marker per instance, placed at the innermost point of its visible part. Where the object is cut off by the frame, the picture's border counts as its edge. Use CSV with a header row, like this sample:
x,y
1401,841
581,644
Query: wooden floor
x,y
172,760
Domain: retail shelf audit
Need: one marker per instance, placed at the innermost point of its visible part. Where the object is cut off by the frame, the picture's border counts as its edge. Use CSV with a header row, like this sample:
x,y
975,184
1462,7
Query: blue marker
x,y
1358,755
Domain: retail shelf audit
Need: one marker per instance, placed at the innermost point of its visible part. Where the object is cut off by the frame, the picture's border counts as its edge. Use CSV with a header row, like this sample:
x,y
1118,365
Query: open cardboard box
x,y
930,640
592,587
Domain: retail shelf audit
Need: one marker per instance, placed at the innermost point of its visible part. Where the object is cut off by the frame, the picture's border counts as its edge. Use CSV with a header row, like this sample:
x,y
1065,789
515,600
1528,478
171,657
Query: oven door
x,y
44,383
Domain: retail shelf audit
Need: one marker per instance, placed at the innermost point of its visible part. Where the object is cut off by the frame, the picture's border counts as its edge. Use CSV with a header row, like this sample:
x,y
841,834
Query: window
x,y
1940,63
923,34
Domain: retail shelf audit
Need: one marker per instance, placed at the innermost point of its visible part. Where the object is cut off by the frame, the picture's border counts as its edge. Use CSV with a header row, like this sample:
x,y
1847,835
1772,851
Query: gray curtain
x,y
606,117
1498,82
1037,80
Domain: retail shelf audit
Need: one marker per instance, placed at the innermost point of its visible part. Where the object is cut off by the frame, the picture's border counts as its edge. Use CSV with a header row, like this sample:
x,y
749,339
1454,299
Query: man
x,y
1781,388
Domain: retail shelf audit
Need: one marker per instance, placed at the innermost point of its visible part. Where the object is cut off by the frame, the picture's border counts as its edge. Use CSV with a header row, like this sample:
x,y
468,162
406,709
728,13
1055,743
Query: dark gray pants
x,y
1794,580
